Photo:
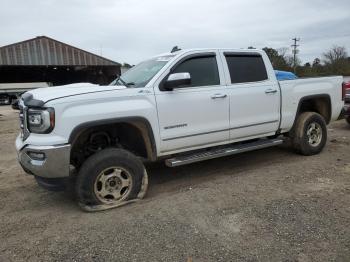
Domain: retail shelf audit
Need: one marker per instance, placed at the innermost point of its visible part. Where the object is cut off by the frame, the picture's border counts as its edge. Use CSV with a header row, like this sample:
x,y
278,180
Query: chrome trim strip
x,y
222,130
258,124
198,134
197,145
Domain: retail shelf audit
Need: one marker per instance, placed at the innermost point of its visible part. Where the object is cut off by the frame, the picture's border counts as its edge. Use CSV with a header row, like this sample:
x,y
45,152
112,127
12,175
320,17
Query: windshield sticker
x,y
164,58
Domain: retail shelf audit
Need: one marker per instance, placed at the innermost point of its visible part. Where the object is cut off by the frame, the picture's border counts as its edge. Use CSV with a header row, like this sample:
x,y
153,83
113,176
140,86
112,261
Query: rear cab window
x,y
245,67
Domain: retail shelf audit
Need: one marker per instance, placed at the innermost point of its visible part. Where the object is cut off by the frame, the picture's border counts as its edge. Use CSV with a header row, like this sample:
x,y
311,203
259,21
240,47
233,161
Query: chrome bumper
x,y
45,161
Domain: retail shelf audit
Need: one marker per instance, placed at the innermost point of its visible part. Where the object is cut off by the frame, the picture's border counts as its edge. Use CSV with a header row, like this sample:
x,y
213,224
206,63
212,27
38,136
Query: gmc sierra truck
x,y
181,107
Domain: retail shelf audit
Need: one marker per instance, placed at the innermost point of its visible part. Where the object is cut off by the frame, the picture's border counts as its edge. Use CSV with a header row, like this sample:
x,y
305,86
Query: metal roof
x,y
45,51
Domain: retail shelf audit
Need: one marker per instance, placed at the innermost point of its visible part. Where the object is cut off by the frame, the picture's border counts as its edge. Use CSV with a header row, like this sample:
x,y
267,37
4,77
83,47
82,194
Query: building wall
x,y
44,51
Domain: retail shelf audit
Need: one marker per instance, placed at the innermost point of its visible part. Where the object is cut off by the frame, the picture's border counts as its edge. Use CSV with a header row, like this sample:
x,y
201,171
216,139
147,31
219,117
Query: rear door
x,y
254,95
196,115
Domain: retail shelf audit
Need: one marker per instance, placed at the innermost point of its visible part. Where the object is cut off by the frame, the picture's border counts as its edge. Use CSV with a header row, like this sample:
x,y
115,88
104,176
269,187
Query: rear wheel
x,y
110,176
310,133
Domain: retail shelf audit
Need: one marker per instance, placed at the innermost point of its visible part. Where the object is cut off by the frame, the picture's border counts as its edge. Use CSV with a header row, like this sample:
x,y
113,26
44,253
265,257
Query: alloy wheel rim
x,y
112,185
314,134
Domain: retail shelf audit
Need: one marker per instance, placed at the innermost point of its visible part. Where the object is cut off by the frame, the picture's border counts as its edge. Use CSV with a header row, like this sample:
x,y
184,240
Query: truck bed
x,y
293,91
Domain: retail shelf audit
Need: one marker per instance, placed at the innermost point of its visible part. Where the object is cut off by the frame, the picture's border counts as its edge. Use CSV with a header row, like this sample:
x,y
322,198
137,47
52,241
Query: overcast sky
x,y
132,30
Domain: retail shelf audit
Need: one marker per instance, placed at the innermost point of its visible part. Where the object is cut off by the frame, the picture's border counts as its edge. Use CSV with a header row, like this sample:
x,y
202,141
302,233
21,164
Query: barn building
x,y
43,59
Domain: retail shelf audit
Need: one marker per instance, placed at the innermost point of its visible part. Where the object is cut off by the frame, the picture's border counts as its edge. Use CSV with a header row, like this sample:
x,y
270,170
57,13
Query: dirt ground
x,y
267,205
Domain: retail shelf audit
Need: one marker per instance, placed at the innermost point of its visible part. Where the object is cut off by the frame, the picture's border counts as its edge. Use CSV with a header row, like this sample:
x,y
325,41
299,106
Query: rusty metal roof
x,y
45,51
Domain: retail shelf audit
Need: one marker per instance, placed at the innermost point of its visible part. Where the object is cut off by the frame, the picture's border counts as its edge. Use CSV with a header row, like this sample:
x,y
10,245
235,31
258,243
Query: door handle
x,y
143,91
218,96
270,91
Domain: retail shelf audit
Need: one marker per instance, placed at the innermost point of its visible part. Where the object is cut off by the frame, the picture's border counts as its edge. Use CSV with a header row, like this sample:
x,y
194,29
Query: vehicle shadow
x,y
165,179
342,125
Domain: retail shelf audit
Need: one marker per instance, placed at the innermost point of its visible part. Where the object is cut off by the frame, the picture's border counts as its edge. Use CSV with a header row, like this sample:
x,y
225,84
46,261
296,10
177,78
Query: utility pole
x,y
295,51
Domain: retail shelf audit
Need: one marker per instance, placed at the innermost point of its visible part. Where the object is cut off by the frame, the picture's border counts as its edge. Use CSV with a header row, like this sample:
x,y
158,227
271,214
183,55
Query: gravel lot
x,y
268,205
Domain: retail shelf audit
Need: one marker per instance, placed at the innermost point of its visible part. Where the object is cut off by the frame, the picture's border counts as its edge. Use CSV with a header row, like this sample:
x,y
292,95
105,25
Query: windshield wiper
x,y
121,81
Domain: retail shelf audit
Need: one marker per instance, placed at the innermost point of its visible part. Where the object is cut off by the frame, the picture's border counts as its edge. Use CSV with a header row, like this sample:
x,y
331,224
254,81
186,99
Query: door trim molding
x,y
258,124
221,130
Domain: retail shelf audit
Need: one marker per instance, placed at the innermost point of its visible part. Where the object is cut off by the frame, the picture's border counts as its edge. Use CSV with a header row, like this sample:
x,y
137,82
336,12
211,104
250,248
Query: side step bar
x,y
215,153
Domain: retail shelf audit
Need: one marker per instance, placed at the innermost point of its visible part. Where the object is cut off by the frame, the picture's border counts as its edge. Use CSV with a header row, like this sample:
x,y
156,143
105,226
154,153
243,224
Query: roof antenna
x,y
175,48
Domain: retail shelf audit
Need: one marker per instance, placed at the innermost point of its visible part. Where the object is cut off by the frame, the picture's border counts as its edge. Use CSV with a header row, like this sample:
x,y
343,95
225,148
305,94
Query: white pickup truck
x,y
181,107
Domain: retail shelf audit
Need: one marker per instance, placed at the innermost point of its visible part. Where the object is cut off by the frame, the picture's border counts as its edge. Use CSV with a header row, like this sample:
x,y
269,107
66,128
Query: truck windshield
x,y
141,74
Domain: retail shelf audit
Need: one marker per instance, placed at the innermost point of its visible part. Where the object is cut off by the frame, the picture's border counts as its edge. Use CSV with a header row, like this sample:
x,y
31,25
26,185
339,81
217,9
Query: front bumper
x,y
45,161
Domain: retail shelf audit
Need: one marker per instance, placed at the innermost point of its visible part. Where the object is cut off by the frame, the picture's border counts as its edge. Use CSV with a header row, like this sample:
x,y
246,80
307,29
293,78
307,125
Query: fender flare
x,y
310,97
141,123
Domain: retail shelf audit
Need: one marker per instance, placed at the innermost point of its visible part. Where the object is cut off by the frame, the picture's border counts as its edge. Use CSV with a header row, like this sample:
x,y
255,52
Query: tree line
x,y
334,61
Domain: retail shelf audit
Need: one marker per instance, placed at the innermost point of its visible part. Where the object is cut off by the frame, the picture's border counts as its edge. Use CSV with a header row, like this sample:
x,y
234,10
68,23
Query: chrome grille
x,y
23,120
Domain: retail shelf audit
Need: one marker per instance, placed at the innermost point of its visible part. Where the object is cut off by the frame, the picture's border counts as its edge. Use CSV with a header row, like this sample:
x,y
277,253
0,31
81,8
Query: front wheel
x,y
111,176
309,134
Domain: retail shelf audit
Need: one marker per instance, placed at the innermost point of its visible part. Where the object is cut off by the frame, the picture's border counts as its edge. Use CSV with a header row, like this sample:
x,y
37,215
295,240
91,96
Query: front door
x,y
196,115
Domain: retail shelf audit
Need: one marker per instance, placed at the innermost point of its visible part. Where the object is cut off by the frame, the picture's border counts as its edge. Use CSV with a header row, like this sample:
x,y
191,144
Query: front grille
x,y
23,120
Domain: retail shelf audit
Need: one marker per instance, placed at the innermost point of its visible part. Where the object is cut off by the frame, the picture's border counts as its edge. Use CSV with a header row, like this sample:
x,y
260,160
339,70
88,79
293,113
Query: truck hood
x,y
50,93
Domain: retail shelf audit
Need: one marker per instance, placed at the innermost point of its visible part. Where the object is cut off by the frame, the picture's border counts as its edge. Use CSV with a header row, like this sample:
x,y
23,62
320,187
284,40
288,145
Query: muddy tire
x,y
110,176
309,134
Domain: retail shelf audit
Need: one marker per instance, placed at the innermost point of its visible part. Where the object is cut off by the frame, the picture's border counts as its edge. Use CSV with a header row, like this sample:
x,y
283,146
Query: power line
x,y
295,51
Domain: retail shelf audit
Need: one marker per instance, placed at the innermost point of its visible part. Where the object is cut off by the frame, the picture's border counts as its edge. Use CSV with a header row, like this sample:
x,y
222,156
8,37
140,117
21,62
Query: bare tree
x,y
336,60
335,54
283,51
289,60
278,58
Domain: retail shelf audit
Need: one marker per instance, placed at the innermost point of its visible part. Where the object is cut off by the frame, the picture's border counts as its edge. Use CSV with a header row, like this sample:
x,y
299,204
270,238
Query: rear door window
x,y
245,68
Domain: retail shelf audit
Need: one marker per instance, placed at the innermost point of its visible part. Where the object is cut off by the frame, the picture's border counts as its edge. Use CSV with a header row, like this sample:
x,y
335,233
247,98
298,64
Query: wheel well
x,y
133,136
319,104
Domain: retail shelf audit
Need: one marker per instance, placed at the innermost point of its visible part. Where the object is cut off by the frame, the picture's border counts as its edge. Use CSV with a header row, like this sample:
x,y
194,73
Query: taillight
x,y
345,87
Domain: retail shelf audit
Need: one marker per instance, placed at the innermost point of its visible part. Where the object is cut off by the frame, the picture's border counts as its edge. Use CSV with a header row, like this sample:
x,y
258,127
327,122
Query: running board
x,y
215,153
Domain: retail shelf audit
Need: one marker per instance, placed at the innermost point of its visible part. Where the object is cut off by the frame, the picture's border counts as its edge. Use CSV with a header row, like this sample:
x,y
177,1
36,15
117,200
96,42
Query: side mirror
x,y
177,80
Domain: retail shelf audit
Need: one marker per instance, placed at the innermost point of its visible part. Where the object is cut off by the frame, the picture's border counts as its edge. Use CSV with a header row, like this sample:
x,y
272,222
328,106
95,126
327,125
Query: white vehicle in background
x,y
182,107
12,91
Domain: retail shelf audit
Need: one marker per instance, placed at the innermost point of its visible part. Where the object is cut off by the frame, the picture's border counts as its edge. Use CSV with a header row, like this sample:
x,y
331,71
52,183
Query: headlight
x,y
41,121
